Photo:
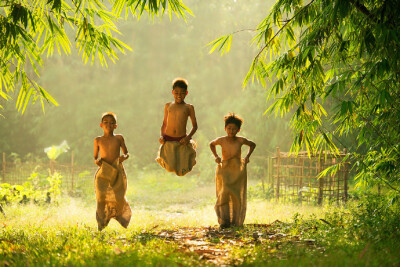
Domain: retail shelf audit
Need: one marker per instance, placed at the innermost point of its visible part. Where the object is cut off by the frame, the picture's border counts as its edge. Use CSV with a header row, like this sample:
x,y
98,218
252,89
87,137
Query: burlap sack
x,y
231,189
177,158
110,186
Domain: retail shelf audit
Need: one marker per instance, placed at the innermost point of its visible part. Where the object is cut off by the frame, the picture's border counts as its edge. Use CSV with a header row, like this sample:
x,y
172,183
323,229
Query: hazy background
x,y
139,84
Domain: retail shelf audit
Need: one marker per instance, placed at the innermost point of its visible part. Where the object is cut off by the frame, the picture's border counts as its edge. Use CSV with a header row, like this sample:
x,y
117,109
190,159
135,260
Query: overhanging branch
x,y
360,7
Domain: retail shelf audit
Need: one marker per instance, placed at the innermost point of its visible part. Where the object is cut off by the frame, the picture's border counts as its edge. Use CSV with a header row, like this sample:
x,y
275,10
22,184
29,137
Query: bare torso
x,y
177,117
109,147
231,147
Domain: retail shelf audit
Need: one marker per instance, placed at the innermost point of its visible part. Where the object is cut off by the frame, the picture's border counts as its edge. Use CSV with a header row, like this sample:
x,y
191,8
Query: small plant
x,y
54,184
39,189
14,157
10,193
260,192
53,151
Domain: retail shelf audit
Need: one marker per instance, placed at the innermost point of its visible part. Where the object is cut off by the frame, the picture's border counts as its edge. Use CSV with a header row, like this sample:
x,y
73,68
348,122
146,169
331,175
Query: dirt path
x,y
218,246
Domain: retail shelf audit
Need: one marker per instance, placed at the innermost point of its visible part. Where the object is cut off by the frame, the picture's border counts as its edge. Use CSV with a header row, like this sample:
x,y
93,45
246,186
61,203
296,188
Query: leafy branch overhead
x,y
31,30
334,67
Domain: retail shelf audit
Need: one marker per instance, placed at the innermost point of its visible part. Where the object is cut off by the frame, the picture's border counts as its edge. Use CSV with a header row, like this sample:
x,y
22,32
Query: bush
x,y
39,189
258,192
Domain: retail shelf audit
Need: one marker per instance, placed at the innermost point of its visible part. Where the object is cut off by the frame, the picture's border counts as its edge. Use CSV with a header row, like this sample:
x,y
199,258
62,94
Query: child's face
x,y
179,94
231,129
108,124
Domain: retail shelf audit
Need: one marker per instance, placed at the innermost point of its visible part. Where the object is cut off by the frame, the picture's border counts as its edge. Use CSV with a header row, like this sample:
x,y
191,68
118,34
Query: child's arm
x,y
164,124
194,126
252,146
124,156
96,152
214,150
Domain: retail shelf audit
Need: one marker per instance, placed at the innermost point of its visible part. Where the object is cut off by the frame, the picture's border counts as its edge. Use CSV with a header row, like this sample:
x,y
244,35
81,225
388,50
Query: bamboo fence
x,y
73,175
296,177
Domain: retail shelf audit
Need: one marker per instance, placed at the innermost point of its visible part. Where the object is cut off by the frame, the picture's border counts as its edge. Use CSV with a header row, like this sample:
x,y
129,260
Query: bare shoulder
x,y
119,137
218,140
245,141
98,138
222,139
189,105
241,138
167,105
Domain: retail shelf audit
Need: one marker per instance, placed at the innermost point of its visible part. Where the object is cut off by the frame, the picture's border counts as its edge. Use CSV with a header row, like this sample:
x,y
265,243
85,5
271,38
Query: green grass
x,y
66,234
174,224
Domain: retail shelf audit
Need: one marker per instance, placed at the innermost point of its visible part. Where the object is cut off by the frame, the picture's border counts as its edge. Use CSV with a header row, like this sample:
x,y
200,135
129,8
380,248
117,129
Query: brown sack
x,y
231,185
110,186
177,158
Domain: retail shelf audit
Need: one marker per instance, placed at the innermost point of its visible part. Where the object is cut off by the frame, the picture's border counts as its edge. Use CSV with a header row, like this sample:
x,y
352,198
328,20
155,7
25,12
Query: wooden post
x,y
301,181
294,179
338,179
278,162
283,178
72,171
4,168
52,166
346,176
271,173
320,182
290,177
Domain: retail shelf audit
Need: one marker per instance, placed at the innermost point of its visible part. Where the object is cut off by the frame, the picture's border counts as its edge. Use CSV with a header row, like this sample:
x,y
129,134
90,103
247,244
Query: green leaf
x,y
222,43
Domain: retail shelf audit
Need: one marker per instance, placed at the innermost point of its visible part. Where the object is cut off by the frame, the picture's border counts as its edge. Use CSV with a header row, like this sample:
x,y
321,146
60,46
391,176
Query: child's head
x,y
179,89
108,122
232,124
111,115
181,83
233,118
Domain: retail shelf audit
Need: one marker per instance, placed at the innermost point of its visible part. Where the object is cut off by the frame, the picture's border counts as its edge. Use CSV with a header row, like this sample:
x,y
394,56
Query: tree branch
x,y
363,9
365,165
277,33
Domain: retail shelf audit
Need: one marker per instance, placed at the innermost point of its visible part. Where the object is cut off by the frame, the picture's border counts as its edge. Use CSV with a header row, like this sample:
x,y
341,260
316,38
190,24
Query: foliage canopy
x,y
335,69
31,30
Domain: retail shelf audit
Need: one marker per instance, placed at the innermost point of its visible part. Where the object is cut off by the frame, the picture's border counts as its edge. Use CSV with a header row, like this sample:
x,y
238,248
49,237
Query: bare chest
x,y
231,148
180,111
109,144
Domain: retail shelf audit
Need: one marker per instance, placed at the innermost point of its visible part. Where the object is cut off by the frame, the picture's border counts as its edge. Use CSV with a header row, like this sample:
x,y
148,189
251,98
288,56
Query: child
x,y
231,174
110,179
177,151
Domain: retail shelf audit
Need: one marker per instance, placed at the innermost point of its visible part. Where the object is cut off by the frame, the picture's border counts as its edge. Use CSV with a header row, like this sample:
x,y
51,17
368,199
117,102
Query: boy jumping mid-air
x,y
231,174
177,151
110,178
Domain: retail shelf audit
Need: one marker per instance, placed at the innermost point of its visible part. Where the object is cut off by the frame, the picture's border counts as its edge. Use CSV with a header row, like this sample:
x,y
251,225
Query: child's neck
x,y
231,138
181,103
110,134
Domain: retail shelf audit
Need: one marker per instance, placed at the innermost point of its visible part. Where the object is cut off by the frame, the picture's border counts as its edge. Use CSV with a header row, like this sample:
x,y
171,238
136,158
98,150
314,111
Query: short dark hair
x,y
180,82
233,118
109,114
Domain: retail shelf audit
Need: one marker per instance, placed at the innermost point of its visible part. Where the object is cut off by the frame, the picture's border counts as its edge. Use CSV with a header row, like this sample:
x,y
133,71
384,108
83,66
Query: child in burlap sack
x,y
110,178
177,152
231,174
